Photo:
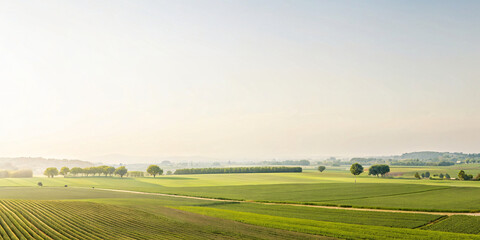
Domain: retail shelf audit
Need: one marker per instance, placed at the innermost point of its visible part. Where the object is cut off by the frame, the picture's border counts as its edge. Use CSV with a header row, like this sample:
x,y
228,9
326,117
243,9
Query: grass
x,y
457,224
304,192
338,230
440,200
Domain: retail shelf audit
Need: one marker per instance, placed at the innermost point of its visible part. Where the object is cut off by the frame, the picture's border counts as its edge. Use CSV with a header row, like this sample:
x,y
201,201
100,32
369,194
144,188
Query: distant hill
x,y
425,155
38,165
423,158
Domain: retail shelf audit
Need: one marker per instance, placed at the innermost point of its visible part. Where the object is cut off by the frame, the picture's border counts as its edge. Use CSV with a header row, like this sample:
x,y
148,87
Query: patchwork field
x,y
254,206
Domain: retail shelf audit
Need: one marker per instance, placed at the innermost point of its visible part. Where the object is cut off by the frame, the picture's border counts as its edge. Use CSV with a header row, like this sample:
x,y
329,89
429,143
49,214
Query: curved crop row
x,y
47,220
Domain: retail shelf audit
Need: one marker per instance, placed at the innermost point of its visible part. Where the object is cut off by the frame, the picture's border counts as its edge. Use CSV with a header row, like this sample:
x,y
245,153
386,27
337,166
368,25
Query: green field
x,y
459,224
399,220
83,210
306,188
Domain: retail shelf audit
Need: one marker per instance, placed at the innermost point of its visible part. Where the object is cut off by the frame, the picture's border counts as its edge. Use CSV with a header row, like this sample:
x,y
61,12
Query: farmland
x,y
253,206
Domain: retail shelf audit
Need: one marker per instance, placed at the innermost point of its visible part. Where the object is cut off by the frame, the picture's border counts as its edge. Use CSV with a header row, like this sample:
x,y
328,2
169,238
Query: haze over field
x,y
243,79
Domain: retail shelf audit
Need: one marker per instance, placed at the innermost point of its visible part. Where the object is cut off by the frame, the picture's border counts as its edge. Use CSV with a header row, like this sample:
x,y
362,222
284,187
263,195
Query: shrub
x,y
477,178
136,174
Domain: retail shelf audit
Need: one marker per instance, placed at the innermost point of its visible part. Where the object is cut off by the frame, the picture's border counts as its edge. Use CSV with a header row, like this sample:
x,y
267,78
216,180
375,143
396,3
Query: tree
x,y
75,171
356,169
64,171
51,172
447,176
427,174
384,169
440,176
321,168
121,171
109,170
154,170
417,176
373,170
40,184
423,175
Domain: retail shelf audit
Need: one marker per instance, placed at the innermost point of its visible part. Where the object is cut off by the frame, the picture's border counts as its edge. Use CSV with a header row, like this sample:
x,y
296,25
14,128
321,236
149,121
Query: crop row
x,y
332,229
458,224
23,219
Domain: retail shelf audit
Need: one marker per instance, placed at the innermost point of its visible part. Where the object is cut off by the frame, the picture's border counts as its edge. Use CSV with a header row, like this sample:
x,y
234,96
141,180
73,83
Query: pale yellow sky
x,y
238,79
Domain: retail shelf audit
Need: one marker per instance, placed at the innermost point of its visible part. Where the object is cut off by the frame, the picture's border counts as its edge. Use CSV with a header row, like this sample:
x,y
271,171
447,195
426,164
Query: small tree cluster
x,y
425,175
321,168
381,169
463,176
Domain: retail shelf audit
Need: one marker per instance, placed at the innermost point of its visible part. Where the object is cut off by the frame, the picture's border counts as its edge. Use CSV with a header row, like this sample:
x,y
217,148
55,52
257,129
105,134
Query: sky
x,y
238,79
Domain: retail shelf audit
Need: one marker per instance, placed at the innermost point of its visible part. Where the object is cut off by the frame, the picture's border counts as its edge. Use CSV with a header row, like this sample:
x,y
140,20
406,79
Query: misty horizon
x,y
81,80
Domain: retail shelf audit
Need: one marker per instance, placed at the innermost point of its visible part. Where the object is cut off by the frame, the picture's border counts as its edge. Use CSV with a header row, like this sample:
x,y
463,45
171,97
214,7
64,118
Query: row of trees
x,y
237,170
121,171
434,176
461,176
101,170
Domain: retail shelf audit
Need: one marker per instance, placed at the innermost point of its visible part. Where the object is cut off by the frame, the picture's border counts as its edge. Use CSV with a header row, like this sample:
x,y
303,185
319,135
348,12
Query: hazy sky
x,y
238,78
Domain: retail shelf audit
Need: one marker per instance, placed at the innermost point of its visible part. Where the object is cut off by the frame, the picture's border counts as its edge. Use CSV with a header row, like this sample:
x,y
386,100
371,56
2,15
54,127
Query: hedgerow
x,y
237,170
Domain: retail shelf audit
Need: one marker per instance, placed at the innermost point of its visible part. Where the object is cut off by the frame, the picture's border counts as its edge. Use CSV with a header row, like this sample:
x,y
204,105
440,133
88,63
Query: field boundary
x,y
440,219
291,204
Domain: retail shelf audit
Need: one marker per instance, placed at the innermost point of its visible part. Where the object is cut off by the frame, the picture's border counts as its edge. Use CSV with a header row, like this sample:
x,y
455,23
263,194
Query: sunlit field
x,y
264,205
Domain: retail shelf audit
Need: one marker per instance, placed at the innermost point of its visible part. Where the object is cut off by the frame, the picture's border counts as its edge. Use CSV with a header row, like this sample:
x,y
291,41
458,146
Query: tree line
x,y
417,162
237,170
88,171
461,176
